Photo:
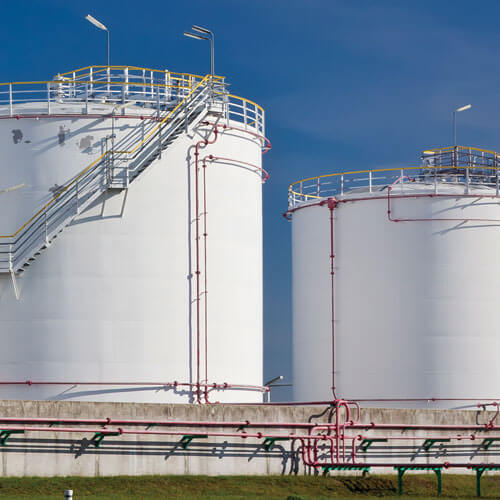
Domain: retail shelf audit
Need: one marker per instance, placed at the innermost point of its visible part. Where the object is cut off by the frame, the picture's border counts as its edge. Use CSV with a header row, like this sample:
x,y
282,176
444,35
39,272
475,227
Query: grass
x,y
245,487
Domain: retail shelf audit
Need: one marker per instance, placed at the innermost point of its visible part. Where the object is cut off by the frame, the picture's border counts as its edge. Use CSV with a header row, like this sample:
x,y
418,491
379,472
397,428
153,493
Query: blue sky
x,y
346,85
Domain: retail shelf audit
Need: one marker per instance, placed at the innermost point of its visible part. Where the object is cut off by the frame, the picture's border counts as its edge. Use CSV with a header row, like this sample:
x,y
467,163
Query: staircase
x,y
115,169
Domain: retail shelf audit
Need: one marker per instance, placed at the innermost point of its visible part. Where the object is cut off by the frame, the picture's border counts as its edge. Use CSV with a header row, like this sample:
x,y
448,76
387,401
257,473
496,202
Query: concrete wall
x,y
51,454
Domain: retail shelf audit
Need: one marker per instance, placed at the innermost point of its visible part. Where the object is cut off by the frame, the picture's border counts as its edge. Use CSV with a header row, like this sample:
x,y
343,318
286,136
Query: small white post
x,y
46,229
68,494
167,83
11,109
342,184
144,84
125,86
91,78
48,98
76,196
245,113
108,78
370,181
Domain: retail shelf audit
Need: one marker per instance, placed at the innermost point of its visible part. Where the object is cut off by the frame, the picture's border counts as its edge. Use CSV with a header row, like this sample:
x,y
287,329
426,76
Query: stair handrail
x,y
86,177
95,162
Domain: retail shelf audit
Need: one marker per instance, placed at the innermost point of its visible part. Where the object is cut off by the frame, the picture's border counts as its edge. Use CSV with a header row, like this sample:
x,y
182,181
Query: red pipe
x,y
80,116
290,211
264,173
332,204
210,386
204,143
267,143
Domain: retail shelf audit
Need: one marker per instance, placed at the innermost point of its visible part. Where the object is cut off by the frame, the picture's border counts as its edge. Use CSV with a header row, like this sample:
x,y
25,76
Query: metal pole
x,y
212,54
107,42
454,128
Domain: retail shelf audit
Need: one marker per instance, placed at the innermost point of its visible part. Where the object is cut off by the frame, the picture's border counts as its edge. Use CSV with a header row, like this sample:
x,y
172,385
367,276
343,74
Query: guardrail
x,y
456,165
16,249
152,91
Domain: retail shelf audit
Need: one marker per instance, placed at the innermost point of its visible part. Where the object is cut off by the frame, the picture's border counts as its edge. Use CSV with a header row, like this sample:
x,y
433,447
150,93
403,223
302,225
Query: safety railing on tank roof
x,y
468,167
17,248
72,196
102,85
152,91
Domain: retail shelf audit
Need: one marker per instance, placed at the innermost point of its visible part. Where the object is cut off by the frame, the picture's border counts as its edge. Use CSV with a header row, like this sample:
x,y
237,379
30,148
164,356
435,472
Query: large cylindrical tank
x,y
410,309
153,288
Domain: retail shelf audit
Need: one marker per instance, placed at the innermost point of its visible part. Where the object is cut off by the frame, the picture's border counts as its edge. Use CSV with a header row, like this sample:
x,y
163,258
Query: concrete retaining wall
x,y
61,454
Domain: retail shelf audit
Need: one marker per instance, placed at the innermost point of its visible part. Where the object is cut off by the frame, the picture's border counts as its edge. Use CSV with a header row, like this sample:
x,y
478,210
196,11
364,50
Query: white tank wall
x,y
113,298
415,302
47,152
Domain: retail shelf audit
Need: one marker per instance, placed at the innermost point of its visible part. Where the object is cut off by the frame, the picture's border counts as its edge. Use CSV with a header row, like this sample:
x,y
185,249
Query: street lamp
x,y
269,383
458,110
101,26
206,35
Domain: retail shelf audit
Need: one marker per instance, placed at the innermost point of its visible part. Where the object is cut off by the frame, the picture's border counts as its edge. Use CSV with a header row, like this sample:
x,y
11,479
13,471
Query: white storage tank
x,y
396,278
131,248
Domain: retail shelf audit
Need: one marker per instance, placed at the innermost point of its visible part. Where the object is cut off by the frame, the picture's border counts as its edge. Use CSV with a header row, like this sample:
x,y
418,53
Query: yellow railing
x,y
372,181
463,149
83,172
245,108
92,70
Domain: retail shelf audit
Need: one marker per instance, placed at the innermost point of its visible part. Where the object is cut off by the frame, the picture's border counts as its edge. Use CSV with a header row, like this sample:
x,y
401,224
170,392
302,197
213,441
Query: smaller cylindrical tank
x,y
396,283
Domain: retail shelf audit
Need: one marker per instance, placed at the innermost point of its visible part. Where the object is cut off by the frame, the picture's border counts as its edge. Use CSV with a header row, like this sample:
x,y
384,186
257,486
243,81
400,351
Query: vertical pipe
x,y
107,46
91,78
332,203
197,274
205,234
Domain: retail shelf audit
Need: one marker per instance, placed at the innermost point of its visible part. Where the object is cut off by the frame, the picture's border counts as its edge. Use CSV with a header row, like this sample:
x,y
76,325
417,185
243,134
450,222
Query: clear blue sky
x,y
346,85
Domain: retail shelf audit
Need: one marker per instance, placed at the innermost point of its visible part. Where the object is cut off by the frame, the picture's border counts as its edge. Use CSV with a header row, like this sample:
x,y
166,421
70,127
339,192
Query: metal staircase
x,y
115,169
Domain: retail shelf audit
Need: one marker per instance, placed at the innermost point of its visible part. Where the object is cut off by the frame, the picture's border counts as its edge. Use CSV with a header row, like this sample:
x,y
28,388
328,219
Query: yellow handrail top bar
x,y
95,82
420,167
205,79
138,68
84,171
459,148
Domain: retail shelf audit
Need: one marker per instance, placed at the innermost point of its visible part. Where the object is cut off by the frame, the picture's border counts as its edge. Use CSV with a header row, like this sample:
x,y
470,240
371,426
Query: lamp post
x,y
269,383
458,110
206,35
101,26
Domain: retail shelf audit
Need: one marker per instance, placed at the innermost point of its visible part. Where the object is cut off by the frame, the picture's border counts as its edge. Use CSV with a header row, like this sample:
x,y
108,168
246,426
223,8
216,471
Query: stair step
x,y
174,128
